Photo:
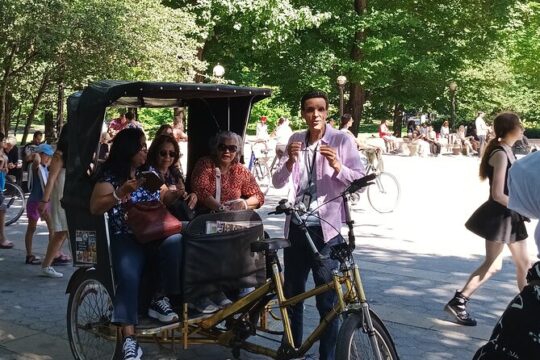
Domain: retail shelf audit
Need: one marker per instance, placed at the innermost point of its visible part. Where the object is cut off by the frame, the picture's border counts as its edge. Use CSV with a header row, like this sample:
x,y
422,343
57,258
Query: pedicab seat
x,y
270,244
222,261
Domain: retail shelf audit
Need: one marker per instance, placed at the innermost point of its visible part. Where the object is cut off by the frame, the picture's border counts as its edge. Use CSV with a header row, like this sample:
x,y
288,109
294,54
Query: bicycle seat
x,y
270,244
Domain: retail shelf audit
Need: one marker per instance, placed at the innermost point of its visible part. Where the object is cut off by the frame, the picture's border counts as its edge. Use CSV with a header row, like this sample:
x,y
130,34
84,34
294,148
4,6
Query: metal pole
x,y
453,115
341,99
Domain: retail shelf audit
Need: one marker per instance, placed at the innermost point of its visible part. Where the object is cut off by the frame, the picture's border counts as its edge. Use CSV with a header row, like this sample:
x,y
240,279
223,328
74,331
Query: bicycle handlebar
x,y
285,207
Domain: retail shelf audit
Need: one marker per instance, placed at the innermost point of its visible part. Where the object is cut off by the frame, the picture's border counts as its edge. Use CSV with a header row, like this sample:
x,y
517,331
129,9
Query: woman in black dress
x,y
493,221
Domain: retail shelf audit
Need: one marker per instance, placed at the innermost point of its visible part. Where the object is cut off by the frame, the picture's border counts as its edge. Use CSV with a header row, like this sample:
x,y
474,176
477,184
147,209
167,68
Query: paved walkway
x,y
412,261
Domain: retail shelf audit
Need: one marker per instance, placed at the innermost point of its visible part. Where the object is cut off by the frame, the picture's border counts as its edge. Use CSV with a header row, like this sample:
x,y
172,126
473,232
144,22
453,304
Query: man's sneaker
x,y
457,307
221,300
50,272
204,306
245,291
161,310
131,349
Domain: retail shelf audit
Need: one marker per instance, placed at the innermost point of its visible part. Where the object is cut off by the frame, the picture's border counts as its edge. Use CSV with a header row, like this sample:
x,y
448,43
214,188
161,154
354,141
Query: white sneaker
x,y
50,272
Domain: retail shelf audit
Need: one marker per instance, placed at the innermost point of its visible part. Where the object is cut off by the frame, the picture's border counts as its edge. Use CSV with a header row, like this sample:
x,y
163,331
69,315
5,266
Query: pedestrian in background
x,y
493,221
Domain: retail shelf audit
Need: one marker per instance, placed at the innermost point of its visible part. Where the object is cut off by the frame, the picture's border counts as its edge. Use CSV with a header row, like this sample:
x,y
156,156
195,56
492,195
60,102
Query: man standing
x,y
481,132
319,163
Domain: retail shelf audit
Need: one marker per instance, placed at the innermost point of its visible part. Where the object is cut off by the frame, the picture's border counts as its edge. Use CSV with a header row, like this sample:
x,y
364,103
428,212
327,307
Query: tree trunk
x,y
358,93
7,63
49,127
35,105
60,107
398,120
356,103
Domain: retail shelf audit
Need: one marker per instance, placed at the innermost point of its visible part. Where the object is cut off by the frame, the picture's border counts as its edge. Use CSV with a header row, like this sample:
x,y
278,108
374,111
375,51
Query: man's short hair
x,y
130,116
312,95
38,133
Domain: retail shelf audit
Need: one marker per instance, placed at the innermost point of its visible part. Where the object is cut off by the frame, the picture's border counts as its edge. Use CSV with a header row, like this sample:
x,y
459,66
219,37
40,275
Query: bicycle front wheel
x,y
262,175
354,342
384,194
15,203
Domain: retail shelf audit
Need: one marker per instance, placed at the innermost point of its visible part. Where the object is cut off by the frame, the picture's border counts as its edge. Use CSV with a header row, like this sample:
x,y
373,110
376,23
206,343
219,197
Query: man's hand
x,y
293,149
331,155
42,208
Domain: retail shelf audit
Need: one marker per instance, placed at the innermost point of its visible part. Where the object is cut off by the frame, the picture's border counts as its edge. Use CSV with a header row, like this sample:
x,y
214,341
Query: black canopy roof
x,y
211,108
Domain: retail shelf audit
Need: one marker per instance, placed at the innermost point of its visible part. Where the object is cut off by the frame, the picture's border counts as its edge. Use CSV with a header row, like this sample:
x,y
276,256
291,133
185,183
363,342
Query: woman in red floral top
x,y
239,190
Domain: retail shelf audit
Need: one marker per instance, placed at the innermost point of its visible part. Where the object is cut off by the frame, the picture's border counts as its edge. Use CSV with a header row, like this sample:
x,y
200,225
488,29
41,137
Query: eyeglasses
x,y
164,153
225,147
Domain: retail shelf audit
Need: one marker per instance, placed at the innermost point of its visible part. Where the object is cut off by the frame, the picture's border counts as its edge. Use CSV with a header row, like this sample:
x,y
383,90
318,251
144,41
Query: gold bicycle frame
x,y
347,285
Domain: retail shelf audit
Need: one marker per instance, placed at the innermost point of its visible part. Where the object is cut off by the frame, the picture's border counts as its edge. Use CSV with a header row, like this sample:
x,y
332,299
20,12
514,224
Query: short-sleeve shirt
x,y
117,214
238,183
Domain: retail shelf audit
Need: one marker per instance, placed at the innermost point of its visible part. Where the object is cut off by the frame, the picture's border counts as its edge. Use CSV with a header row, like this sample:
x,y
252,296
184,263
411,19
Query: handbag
x,y
181,210
151,221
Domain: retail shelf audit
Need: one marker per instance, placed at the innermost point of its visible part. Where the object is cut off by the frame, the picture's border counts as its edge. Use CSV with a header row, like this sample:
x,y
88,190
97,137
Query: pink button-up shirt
x,y
329,183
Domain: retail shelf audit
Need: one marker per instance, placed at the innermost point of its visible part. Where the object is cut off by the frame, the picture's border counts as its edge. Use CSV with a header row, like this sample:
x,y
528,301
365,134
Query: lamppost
x,y
341,81
218,71
453,89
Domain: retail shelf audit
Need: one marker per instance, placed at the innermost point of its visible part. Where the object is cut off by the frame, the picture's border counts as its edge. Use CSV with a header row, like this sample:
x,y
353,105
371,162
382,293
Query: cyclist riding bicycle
x,y
320,162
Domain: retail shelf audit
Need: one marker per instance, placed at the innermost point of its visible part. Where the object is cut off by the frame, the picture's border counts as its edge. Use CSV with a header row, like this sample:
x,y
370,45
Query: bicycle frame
x,y
353,297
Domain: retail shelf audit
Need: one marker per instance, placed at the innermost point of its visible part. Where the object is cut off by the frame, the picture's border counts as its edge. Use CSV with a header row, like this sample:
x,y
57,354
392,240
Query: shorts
x,y
2,198
32,211
58,214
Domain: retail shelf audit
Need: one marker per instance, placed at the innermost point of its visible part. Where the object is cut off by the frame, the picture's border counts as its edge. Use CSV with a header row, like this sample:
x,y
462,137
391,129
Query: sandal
x,y
61,260
33,260
7,245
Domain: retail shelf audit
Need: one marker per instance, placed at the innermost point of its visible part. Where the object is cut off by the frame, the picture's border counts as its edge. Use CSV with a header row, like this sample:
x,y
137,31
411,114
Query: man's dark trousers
x,y
299,260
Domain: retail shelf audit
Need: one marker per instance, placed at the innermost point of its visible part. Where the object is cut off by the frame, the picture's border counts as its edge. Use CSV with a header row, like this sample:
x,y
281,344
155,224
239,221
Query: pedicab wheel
x,y
354,342
90,332
384,194
15,203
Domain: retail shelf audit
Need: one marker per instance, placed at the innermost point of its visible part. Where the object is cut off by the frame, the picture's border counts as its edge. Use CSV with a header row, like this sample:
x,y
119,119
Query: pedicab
x,y
252,258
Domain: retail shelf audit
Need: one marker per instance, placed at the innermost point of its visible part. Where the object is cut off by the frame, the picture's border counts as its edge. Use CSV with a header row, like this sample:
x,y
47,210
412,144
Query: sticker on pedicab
x,y
85,247
214,227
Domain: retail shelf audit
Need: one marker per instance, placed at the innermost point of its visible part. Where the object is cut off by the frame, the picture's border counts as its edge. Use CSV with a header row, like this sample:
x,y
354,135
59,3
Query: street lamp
x,y
218,71
453,89
341,81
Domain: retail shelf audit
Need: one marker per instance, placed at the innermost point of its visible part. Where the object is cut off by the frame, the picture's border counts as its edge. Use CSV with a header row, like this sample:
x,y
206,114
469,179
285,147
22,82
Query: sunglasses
x,y
164,153
224,147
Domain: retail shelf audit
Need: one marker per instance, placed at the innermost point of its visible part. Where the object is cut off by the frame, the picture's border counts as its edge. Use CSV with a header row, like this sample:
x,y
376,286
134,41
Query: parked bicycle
x,y
258,164
14,200
384,195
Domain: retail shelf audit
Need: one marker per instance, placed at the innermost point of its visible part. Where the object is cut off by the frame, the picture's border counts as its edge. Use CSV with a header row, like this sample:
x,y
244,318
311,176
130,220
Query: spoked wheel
x,y
384,194
91,334
354,342
15,203
261,172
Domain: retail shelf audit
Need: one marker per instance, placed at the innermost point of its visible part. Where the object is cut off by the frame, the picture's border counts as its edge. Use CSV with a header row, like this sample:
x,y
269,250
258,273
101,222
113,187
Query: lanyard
x,y
306,158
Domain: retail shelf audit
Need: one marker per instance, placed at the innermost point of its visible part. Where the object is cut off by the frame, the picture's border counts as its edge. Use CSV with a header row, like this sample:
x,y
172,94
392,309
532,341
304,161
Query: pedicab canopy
x,y
211,108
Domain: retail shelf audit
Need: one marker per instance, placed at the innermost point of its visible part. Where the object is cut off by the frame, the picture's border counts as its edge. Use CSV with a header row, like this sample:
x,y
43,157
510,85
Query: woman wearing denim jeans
x,y
115,186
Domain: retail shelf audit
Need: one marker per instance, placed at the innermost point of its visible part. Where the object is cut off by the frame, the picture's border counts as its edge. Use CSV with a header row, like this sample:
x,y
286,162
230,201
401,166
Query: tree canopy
x,y
395,54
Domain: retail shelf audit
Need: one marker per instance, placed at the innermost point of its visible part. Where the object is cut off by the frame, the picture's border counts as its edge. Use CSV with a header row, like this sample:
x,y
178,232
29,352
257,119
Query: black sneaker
x,y
457,307
161,310
131,349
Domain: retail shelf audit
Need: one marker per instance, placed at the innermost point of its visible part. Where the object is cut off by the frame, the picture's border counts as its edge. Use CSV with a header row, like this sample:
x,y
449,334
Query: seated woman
x,y
238,190
387,136
163,156
465,141
419,140
116,185
164,129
